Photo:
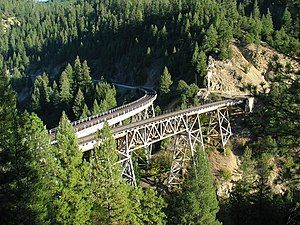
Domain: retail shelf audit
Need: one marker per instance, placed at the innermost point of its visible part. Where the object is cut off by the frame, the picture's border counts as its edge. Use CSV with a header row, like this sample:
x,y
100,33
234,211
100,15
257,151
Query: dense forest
x,y
58,60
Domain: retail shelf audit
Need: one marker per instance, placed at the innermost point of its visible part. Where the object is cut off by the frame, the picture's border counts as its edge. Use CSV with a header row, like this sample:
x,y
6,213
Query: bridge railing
x,y
114,116
53,131
173,112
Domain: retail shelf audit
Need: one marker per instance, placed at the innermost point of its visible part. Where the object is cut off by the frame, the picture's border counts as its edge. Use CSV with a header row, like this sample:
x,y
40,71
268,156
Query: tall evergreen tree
x,y
78,104
240,197
106,95
8,176
85,82
267,27
72,200
85,112
287,20
35,176
77,70
165,81
147,207
111,193
211,39
198,202
96,108
66,85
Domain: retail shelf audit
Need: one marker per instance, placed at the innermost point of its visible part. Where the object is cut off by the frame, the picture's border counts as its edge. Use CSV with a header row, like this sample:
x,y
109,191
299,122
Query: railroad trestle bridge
x,y
193,126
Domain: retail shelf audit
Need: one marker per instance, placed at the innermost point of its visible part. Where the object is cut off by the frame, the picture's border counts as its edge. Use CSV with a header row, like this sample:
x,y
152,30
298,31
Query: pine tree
x,y
7,141
195,54
198,202
96,108
55,96
103,106
267,26
72,199
211,39
256,11
106,95
35,99
201,66
111,193
165,81
35,163
85,112
77,72
66,85
240,197
78,104
69,72
85,83
147,207
287,20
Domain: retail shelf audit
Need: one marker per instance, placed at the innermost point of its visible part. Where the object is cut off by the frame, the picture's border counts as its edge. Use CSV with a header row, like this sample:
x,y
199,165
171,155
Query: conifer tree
x,y
85,112
165,81
7,141
256,11
111,193
85,82
267,26
78,104
69,72
103,106
72,200
287,20
195,54
201,66
96,108
147,207
77,70
211,39
36,163
198,202
240,197
66,85
55,97
106,95
35,99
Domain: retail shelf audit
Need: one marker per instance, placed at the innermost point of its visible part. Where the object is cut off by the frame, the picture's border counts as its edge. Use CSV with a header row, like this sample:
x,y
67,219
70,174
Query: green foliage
x,y
72,196
267,27
147,207
66,92
165,81
96,108
211,39
198,202
36,152
279,134
106,95
188,94
110,192
85,112
226,174
78,104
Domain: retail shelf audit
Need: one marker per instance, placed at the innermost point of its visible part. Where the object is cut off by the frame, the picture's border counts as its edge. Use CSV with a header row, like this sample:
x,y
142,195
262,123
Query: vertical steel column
x,y
224,125
128,169
180,161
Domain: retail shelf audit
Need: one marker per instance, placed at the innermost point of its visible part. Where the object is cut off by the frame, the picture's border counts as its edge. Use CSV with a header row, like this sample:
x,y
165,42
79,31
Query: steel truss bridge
x,y
191,127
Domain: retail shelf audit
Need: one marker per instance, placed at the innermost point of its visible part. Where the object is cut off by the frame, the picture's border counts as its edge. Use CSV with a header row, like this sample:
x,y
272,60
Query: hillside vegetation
x,y
57,62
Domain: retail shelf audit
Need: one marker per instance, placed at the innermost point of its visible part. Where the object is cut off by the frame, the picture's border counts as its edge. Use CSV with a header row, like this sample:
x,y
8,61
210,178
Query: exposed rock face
x,y
249,66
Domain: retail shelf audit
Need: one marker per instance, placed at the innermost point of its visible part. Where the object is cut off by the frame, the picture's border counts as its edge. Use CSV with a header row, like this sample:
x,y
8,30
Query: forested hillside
x,y
58,60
